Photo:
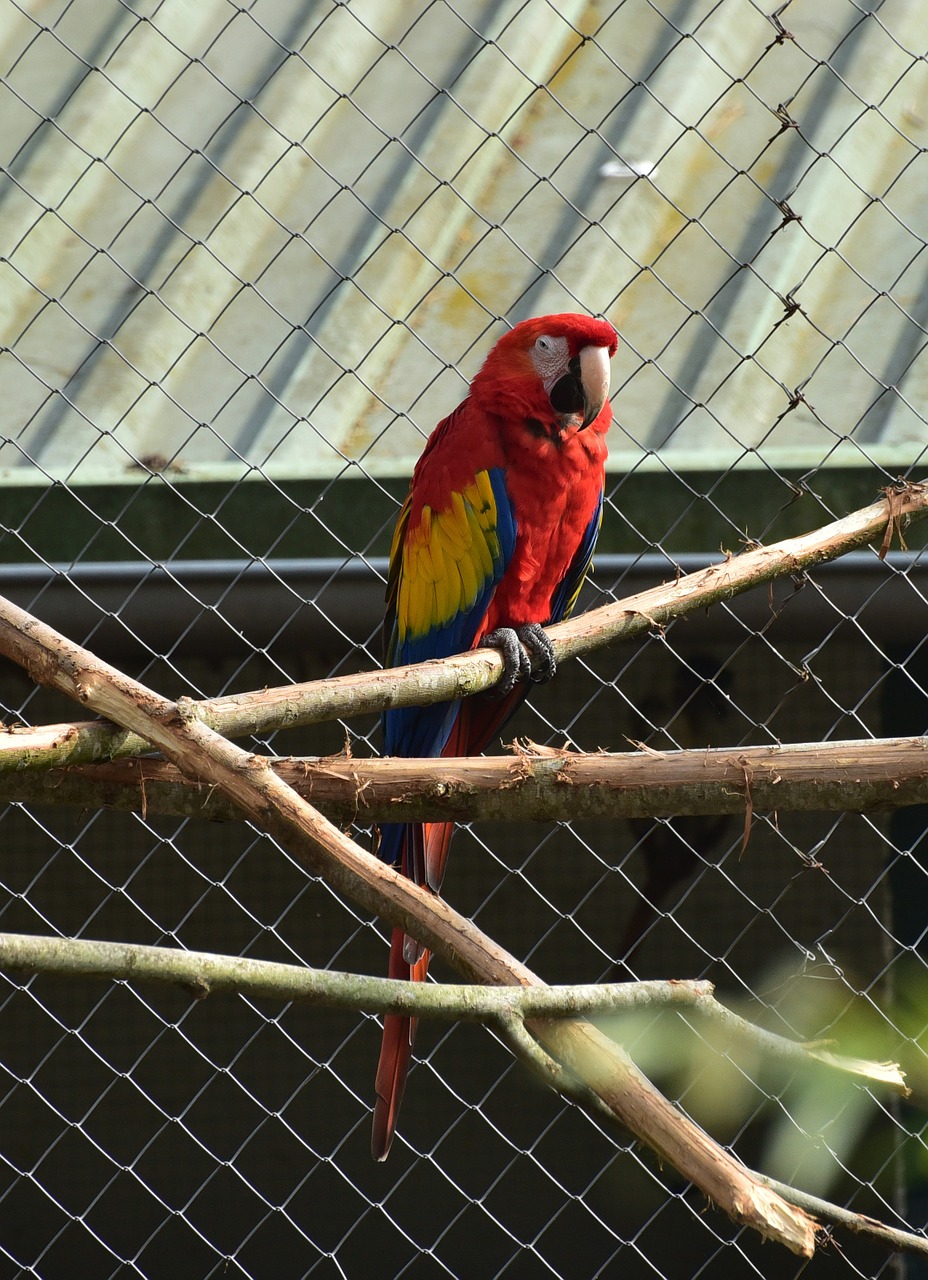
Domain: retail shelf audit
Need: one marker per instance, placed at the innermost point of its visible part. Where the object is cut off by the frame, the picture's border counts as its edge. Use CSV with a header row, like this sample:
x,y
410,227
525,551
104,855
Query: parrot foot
x,y
515,644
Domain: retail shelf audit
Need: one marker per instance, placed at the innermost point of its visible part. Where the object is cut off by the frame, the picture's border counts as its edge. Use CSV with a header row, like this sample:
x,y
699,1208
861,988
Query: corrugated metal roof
x,y
280,238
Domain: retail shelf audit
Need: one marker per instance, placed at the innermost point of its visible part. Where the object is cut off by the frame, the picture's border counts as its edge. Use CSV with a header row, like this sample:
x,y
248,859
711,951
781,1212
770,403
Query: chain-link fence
x,y
251,253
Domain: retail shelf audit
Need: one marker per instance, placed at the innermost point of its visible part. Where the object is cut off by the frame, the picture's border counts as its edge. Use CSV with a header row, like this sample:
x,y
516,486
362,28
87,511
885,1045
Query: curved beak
x,y
594,382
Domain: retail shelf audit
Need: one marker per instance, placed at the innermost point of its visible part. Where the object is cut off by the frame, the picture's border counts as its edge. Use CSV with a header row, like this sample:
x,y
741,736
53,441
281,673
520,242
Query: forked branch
x,y
204,974
504,1008
615,1090
588,1064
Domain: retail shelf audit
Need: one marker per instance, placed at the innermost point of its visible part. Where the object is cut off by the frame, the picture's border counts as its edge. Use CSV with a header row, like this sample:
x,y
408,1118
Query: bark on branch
x,y
536,784
504,1008
582,1058
612,1086
265,710
204,974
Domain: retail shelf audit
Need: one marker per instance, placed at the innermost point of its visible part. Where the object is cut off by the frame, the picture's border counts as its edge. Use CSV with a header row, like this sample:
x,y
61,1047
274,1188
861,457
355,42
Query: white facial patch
x,y
550,357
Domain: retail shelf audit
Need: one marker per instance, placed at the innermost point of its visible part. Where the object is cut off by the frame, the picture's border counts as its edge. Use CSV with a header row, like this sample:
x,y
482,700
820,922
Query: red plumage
x,y
493,542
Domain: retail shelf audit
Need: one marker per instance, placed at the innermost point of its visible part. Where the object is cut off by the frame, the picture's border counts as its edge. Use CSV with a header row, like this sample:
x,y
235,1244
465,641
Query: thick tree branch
x,y
585,1053
265,710
536,784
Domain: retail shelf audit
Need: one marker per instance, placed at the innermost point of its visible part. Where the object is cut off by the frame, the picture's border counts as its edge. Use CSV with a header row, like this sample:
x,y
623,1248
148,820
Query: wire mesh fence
x,y
251,254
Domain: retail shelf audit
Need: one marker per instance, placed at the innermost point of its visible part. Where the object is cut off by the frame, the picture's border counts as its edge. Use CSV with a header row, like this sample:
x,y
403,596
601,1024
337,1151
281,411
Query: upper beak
x,y
594,382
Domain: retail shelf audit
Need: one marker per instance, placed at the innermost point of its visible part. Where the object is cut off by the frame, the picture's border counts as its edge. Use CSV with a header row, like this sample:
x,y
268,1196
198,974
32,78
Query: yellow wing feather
x,y
444,563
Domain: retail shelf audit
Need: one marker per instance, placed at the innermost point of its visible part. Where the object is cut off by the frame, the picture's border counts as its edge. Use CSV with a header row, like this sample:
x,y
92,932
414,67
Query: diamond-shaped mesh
x,y
252,252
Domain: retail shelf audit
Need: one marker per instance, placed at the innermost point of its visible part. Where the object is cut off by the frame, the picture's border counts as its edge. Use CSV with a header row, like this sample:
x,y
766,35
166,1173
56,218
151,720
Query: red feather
x,y
507,550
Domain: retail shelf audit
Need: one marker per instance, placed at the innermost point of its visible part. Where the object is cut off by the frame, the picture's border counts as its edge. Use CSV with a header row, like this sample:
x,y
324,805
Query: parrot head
x,y
551,373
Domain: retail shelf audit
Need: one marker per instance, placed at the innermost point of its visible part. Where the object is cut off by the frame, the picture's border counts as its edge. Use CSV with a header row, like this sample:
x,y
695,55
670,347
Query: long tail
x,y
424,852
421,851
399,1035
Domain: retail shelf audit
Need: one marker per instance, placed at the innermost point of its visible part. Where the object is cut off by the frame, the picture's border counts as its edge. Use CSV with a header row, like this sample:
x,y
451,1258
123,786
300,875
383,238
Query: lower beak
x,y
594,382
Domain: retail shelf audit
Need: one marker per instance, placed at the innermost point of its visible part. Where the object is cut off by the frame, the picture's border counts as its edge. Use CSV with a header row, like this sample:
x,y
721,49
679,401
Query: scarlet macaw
x,y
493,543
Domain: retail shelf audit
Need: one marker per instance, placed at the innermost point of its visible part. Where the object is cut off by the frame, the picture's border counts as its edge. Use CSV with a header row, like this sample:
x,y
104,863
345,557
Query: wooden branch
x,y
860,1223
537,784
204,974
624,1093
266,710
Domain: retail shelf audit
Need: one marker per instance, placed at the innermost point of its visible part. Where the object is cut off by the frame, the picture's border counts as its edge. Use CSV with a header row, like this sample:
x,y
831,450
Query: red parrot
x,y
493,543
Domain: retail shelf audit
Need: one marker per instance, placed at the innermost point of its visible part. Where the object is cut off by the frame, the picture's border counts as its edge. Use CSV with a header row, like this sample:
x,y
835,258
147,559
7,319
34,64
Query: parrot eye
x,y
543,343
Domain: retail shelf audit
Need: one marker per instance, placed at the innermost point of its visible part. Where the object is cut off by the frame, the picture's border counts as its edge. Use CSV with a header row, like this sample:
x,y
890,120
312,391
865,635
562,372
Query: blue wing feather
x,y
565,597
424,731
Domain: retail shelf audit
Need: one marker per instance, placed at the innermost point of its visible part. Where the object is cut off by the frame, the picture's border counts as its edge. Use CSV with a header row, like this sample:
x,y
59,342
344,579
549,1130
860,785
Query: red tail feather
x,y
436,839
424,856
399,1034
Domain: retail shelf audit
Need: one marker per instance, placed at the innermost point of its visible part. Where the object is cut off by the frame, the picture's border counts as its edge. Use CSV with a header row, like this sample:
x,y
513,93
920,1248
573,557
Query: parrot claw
x,y
536,639
514,643
516,663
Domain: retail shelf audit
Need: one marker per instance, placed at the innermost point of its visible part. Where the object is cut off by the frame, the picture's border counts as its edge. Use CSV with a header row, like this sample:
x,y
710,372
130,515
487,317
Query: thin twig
x,y
205,974
799,1052
859,1223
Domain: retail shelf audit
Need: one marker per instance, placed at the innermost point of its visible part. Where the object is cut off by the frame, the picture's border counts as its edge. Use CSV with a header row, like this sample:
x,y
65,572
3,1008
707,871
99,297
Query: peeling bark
x,y
854,776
